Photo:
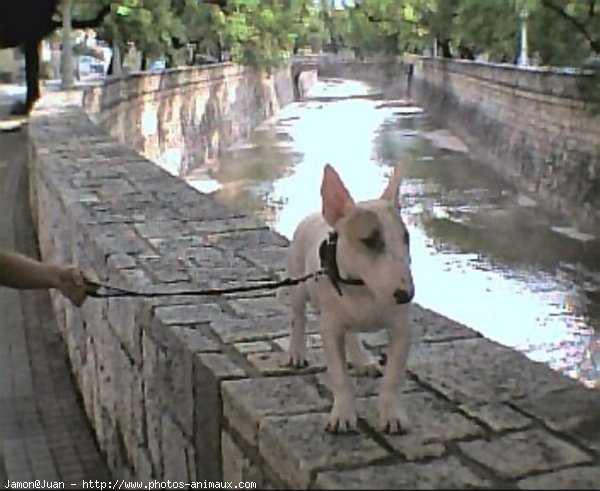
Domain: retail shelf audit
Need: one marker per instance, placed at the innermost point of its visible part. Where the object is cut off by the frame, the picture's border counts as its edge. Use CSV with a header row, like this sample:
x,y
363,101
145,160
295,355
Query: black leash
x,y
107,291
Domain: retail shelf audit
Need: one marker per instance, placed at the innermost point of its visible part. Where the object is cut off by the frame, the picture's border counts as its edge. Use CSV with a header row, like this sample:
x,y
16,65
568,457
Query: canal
x,y
482,254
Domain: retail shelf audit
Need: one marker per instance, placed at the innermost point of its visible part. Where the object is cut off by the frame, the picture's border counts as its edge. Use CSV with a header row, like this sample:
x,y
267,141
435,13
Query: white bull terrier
x,y
364,249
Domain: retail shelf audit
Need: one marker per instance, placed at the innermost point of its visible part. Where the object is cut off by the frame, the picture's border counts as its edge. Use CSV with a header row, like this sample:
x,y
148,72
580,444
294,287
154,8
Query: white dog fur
x,y
372,246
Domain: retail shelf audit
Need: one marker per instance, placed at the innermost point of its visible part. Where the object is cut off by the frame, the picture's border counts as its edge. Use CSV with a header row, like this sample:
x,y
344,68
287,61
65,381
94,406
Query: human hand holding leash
x,y
22,273
74,283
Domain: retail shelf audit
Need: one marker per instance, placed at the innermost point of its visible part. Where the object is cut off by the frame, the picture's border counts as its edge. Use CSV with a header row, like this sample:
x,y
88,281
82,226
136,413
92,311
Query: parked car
x,y
89,67
157,66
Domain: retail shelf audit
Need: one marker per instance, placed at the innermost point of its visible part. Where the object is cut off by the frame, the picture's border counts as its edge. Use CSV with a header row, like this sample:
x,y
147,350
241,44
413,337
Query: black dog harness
x,y
328,257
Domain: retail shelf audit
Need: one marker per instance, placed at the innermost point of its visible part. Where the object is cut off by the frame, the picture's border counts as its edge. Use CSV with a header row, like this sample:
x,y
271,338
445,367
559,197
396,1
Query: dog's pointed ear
x,y
392,190
337,201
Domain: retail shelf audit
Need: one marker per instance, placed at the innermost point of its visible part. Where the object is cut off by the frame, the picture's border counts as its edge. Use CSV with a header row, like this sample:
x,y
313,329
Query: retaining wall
x,y
188,388
532,126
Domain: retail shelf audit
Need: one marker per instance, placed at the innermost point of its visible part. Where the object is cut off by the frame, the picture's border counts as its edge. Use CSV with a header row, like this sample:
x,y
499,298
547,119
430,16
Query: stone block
x,y
235,330
142,465
248,239
252,347
296,446
363,385
124,319
432,425
447,473
497,416
237,468
571,478
246,402
575,411
153,383
209,370
517,454
258,307
195,339
188,314
430,326
176,449
269,259
503,374
178,389
272,363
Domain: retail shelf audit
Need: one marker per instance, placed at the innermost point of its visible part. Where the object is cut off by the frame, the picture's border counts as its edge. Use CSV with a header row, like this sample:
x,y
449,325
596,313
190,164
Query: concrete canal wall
x,y
531,125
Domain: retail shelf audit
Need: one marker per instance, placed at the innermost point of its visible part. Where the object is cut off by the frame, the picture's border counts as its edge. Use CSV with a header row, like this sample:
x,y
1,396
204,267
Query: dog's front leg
x,y
392,417
342,418
296,353
361,360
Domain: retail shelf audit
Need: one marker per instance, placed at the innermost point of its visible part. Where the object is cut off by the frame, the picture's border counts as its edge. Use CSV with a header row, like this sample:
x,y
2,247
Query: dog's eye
x,y
374,241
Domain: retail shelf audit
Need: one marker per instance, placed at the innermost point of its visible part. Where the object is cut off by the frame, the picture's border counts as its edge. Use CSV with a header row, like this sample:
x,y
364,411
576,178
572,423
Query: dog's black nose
x,y
403,296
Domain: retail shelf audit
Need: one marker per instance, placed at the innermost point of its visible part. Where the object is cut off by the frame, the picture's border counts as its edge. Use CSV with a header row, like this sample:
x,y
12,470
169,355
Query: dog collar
x,y
328,257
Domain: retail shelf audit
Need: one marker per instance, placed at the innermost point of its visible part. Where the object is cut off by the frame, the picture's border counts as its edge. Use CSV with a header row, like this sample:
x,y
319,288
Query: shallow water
x,y
482,254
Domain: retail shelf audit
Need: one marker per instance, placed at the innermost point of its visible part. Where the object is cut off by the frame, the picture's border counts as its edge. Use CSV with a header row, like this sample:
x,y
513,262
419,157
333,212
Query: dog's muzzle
x,y
402,296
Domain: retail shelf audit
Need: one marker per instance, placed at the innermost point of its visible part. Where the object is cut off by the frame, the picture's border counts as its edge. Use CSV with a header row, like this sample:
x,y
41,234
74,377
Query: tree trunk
x,y
66,64
115,62
144,62
445,45
32,76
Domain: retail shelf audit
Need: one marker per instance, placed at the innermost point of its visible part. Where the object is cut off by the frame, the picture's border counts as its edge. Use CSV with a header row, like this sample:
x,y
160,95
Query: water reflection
x,y
482,254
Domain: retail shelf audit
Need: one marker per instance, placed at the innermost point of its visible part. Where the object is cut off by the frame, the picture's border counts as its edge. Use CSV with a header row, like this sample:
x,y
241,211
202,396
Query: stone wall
x,y
531,125
183,117
389,76
190,388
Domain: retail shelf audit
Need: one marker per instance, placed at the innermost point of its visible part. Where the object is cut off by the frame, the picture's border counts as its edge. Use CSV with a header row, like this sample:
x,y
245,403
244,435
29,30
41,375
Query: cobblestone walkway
x,y
44,433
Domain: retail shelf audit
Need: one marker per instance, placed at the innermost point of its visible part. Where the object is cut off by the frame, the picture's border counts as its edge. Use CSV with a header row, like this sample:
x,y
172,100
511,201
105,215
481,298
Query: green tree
x,y
264,33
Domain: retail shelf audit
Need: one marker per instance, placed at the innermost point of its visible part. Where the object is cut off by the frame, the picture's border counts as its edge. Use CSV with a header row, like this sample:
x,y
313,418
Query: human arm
x,y
21,272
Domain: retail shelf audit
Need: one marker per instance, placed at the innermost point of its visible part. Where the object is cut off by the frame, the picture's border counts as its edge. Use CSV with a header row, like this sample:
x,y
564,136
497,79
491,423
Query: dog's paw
x,y
371,369
295,359
342,419
393,420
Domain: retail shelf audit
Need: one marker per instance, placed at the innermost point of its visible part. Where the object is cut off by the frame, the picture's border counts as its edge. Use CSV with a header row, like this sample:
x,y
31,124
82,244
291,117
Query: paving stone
x,y
234,330
297,446
252,347
432,424
258,307
575,411
195,339
448,473
248,239
221,366
246,402
272,259
572,478
234,223
517,454
503,374
363,385
498,416
272,363
430,326
188,314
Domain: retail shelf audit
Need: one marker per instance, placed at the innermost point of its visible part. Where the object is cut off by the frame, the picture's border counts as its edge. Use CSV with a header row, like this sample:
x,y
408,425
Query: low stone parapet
x,y
188,388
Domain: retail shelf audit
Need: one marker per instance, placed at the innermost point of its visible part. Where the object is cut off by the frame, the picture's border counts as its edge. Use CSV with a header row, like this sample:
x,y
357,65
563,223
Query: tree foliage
x,y
560,32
